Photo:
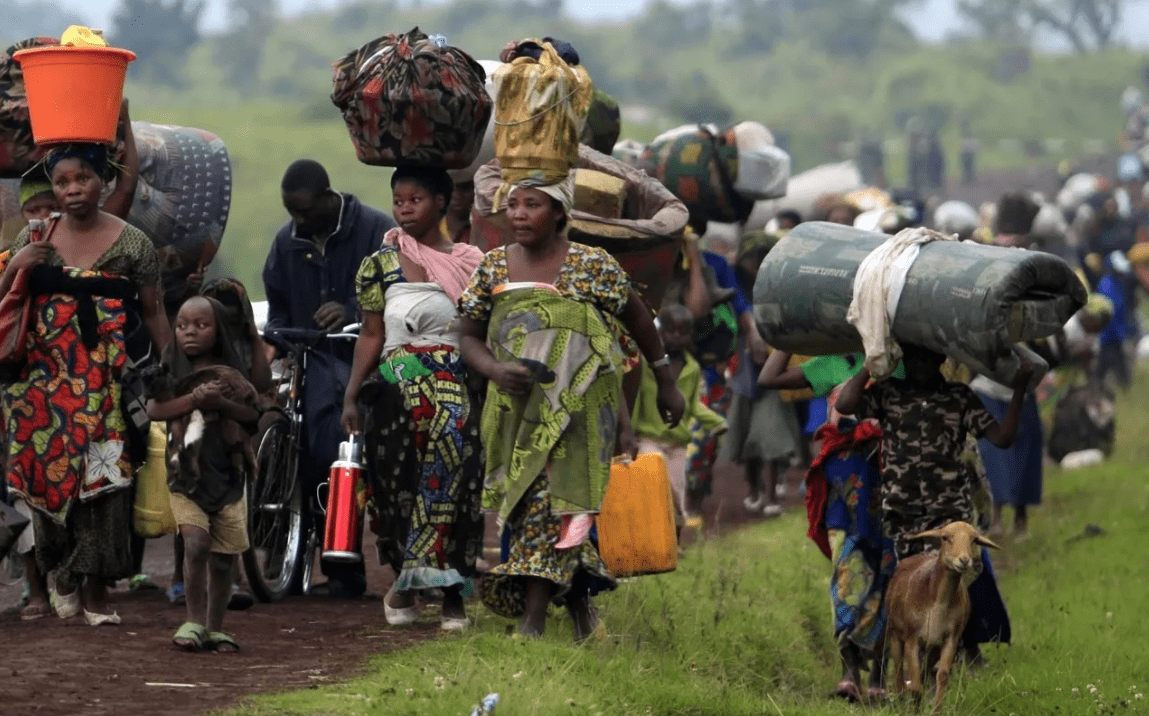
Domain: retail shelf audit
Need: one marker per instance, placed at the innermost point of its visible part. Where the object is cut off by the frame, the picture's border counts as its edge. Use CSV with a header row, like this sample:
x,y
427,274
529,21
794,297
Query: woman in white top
x,y
420,421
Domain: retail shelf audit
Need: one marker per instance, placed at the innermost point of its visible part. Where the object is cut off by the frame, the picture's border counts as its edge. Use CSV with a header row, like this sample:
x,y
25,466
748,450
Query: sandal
x,y
454,623
142,583
190,636
66,606
96,619
399,616
221,643
32,612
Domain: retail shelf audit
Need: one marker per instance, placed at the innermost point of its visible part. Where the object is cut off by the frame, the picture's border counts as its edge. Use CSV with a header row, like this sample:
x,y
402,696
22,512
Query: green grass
x,y
743,627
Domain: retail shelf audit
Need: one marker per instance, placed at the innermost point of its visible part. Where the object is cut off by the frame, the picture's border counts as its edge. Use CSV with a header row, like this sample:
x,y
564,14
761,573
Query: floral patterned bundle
x,y
409,102
18,151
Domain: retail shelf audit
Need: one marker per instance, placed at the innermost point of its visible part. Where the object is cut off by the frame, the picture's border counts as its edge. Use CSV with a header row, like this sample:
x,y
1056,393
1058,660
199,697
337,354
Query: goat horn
x,y
925,535
985,542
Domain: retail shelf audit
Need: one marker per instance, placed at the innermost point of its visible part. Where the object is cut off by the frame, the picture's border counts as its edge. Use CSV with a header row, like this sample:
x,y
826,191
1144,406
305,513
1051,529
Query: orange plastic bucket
x,y
74,93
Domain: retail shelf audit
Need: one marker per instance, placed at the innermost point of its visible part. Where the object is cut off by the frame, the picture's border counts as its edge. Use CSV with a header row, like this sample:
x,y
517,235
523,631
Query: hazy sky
x,y
933,20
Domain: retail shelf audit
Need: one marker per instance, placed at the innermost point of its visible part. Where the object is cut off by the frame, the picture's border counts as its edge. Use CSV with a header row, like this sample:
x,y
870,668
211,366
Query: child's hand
x,y
209,396
671,404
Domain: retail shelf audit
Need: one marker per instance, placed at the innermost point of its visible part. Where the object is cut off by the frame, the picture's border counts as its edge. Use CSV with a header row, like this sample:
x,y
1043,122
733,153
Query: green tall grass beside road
x,y
743,627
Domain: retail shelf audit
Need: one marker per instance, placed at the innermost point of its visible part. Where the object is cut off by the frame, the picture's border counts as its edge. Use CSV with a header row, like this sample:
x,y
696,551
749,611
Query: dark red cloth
x,y
817,487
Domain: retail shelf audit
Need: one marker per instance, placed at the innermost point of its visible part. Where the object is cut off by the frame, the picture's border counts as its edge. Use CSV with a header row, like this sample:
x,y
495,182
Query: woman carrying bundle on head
x,y
534,322
409,395
95,315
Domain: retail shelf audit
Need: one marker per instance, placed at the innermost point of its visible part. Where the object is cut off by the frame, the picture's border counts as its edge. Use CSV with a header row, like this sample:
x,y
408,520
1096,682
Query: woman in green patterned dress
x,y
533,322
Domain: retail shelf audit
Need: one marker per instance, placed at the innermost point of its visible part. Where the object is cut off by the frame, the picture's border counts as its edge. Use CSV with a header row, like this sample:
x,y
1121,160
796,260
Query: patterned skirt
x,y
95,542
426,467
702,452
534,531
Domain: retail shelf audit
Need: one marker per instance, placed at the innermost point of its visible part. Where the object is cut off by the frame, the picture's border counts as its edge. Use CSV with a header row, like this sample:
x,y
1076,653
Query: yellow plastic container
x,y
636,525
152,514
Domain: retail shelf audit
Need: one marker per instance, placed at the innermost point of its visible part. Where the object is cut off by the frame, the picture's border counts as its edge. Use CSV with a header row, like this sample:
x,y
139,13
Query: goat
x,y
928,605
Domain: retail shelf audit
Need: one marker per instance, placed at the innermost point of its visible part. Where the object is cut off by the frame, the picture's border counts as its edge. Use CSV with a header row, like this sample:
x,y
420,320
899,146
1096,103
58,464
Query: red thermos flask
x,y
346,503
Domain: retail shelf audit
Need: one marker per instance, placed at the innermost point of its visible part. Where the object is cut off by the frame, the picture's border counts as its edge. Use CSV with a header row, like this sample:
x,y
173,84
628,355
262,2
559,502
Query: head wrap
x,y
30,188
563,192
94,155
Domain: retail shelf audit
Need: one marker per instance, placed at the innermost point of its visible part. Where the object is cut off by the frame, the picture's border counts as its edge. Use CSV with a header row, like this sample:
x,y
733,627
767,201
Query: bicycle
x,y
285,527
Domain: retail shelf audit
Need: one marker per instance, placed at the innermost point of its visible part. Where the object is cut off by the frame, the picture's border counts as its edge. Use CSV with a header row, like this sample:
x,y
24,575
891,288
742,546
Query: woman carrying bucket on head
x,y
95,311
94,319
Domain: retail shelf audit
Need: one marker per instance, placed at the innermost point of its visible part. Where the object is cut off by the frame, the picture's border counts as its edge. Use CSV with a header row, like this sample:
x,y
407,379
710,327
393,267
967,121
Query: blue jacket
x,y
298,278
1121,326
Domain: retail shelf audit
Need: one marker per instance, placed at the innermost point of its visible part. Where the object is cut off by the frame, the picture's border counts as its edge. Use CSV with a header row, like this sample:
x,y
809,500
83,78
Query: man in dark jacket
x,y
309,278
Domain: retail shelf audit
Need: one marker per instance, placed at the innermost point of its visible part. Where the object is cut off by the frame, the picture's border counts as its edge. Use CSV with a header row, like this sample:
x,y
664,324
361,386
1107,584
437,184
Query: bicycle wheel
x,y
274,516
307,554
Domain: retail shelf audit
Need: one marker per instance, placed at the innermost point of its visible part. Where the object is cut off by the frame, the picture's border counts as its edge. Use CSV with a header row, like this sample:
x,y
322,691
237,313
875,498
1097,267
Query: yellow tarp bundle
x,y
540,109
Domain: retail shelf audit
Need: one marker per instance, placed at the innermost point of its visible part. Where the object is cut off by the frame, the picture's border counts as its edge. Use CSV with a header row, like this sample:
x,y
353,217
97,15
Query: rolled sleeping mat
x,y
183,197
11,221
18,149
972,302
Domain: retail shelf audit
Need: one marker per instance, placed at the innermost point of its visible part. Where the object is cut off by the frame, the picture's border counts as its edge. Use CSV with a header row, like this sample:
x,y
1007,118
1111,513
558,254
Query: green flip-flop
x,y
221,642
190,636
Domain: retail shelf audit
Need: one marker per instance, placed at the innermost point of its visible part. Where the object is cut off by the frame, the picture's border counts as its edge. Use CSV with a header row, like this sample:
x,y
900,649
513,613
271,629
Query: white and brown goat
x,y
928,605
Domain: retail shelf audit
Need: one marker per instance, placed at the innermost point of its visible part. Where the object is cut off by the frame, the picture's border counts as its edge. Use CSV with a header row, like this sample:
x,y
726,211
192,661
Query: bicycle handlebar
x,y
308,337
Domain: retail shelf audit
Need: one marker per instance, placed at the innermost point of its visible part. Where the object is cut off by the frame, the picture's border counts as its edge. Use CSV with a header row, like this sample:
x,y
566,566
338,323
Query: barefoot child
x,y
675,323
212,412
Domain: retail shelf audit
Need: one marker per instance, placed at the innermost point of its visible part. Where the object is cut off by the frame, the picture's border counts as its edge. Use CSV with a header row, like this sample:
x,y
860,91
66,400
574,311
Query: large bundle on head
x,y
408,101
18,150
971,302
603,124
804,192
617,208
629,151
719,174
183,196
540,110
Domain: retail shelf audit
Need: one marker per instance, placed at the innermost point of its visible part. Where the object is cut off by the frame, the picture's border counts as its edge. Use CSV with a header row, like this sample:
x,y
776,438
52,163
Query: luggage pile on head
x,y
719,174
411,100
542,102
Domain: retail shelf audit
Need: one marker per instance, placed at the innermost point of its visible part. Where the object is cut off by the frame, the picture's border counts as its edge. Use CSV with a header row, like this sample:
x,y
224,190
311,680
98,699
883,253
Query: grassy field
x,y
743,628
